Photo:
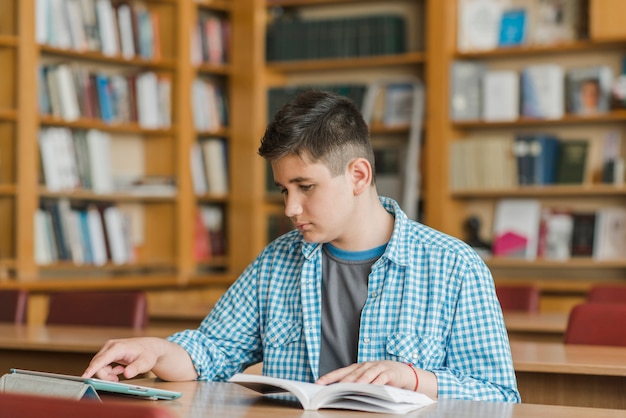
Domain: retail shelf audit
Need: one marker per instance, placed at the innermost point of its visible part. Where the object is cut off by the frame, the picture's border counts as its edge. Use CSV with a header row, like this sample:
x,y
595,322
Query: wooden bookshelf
x,y
563,283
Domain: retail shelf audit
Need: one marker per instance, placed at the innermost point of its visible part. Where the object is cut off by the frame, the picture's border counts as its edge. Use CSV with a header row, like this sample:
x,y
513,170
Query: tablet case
x,y
40,385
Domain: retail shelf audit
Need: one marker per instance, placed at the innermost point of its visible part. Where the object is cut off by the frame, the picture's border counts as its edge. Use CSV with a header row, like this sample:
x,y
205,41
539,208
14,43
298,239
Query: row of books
x,y
88,234
294,38
524,229
211,39
209,166
209,233
128,29
71,92
490,24
478,163
82,160
210,105
542,91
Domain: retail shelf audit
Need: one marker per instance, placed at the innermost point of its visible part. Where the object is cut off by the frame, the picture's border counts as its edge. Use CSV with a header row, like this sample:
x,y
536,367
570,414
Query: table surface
x,y
69,338
202,399
536,322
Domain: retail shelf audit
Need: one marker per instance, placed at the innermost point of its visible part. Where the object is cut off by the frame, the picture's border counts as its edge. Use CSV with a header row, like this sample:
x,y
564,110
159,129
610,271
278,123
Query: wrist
x,y
417,379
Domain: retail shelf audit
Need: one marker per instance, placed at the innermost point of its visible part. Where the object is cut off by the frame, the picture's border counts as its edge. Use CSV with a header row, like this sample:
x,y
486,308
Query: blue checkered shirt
x,y
431,302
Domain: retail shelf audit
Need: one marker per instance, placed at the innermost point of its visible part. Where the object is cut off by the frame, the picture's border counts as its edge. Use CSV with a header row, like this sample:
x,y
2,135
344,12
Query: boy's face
x,y
318,204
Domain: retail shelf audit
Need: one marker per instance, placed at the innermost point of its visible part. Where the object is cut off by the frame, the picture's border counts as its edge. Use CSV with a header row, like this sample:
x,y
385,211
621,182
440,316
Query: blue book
x,y
545,152
512,28
105,99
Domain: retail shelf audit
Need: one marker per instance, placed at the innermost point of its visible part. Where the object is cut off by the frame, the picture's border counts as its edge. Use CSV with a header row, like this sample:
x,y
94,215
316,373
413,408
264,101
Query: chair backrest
x,y
607,294
99,308
13,305
597,324
35,406
518,298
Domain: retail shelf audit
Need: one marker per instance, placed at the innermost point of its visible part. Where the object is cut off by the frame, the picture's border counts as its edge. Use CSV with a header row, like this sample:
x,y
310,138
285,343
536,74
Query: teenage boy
x,y
357,292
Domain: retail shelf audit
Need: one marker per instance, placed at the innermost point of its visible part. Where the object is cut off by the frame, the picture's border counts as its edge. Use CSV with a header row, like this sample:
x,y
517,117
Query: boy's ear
x,y
360,172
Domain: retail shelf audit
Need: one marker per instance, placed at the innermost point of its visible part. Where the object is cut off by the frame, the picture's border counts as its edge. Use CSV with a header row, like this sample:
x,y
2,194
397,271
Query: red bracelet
x,y
417,379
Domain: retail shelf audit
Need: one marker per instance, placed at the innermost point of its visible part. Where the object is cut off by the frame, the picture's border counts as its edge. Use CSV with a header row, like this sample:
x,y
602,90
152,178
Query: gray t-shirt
x,y
344,292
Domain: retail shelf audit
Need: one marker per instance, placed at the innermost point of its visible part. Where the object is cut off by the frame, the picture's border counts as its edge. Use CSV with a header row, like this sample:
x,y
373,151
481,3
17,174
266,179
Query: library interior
x,y
133,195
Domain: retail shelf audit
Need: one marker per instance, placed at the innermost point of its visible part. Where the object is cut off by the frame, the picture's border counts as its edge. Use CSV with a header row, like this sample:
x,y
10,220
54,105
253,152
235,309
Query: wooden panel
x,y
8,17
607,20
7,153
7,72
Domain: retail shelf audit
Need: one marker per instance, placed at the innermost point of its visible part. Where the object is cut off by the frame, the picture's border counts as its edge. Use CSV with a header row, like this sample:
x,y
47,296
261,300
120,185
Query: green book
x,y
572,162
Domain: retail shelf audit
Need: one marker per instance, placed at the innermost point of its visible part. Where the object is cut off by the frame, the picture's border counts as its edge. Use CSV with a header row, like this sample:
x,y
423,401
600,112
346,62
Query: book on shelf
x,y
201,239
107,26
572,162
466,89
196,164
353,396
482,163
56,149
516,228
215,154
589,90
555,234
537,157
583,234
478,24
210,110
513,27
613,165
610,234
398,104
542,91
558,21
501,92
212,217
98,147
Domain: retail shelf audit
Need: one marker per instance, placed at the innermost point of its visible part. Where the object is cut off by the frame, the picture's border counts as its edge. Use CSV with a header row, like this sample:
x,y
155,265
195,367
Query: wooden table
x,y
570,374
61,349
523,326
202,399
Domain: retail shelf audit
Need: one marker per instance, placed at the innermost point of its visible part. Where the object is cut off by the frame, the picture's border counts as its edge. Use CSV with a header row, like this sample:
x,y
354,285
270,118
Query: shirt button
x,y
374,294
366,340
414,355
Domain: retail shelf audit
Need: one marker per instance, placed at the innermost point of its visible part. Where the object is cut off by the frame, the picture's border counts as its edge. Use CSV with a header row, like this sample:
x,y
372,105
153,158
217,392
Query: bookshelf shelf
x,y
129,128
9,41
573,191
8,115
222,5
113,197
553,49
573,263
214,69
410,58
611,116
8,190
117,60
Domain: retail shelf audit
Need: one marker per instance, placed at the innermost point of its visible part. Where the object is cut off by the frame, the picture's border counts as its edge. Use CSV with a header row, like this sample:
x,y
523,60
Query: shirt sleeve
x,y
227,340
478,363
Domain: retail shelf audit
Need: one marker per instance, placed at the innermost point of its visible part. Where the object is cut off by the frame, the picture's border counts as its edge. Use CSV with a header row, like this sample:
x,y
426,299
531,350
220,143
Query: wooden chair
x,y
34,406
13,304
99,308
607,294
518,298
597,324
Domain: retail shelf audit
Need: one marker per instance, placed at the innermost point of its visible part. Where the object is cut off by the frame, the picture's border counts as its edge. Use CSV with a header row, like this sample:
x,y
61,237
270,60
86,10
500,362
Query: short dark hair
x,y
323,126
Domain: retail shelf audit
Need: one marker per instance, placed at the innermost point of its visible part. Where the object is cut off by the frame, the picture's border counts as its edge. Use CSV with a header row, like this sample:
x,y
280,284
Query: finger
x,y
336,375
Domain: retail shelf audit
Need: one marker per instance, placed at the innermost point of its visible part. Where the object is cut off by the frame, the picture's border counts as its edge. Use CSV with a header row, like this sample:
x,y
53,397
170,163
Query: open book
x,y
356,396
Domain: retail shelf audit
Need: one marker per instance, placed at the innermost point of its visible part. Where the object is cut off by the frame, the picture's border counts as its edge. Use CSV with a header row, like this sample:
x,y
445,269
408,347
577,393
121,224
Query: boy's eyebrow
x,y
294,180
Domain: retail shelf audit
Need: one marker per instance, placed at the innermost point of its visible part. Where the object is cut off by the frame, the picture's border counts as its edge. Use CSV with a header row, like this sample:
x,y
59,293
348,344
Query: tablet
x,y
110,387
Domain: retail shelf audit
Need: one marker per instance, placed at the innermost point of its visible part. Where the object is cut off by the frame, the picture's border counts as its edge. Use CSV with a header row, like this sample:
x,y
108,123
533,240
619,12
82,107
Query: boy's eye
x,y
306,187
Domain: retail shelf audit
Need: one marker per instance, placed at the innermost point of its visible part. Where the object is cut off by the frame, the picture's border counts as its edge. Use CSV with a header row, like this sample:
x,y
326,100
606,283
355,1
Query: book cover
x,y
555,234
542,91
501,95
516,228
544,150
583,234
466,90
479,24
572,162
353,396
513,28
524,159
589,90
610,234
